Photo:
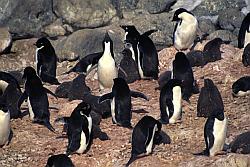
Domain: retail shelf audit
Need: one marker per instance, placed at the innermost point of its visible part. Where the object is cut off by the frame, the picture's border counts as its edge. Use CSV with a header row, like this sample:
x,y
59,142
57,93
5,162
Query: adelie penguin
x,y
79,129
6,79
246,56
183,71
5,130
60,160
241,87
120,98
210,106
185,31
143,51
145,134
46,61
244,33
37,98
241,144
170,102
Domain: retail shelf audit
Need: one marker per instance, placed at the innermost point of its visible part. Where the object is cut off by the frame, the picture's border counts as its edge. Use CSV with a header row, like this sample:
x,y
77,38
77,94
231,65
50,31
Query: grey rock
x,y
5,40
87,41
225,35
54,29
156,6
187,4
26,19
85,14
206,26
125,5
230,19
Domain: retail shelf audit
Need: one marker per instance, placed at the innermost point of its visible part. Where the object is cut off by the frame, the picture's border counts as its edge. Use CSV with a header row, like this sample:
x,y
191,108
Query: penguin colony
x,y
140,54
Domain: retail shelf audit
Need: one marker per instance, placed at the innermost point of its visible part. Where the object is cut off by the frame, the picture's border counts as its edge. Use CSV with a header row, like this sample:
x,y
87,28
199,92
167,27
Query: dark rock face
x,y
156,6
26,19
85,14
225,35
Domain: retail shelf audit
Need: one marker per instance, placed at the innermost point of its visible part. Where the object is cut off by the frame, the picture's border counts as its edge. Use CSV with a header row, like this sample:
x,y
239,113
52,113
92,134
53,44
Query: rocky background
x,y
76,28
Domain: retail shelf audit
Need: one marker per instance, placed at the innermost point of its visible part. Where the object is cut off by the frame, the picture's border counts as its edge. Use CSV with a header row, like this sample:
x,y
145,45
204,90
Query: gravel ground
x,y
32,144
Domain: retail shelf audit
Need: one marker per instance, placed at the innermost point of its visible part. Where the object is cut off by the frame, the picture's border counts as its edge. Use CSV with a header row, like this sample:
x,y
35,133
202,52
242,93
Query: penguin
x,y
183,71
163,79
10,98
128,64
210,53
185,31
106,68
5,79
37,98
79,129
145,52
60,160
46,60
210,106
244,33
120,98
241,144
246,56
86,63
5,129
170,102
144,134
241,87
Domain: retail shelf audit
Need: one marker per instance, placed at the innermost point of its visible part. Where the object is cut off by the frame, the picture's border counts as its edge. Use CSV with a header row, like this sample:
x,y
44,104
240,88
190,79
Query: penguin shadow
x,y
139,111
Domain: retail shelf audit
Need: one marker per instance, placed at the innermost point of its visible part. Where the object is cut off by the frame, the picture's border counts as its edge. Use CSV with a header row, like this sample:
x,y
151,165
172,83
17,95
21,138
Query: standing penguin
x,y
46,61
143,137
170,102
5,131
121,102
107,69
246,56
210,106
244,33
79,129
185,31
37,98
128,64
183,71
60,160
145,52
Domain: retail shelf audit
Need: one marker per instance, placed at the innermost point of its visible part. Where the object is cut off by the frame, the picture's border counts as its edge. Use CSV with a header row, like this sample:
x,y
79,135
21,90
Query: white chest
x,y
177,104
31,113
3,85
150,145
113,110
247,39
4,127
219,132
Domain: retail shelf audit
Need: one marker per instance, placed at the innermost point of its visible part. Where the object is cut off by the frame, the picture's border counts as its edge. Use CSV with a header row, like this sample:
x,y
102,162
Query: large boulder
x,y
156,6
5,40
85,14
25,18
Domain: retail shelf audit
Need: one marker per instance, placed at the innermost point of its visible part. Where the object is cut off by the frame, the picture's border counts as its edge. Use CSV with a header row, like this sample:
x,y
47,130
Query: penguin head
x,y
181,61
208,84
120,83
131,33
3,107
107,42
43,42
29,72
236,87
178,14
84,108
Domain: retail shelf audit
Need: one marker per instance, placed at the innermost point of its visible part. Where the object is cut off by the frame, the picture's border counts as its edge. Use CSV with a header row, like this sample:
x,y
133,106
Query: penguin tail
x,y
49,126
131,160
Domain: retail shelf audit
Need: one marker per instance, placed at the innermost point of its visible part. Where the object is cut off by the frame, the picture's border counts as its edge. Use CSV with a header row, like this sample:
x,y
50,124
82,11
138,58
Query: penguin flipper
x,y
91,69
10,137
105,97
49,126
48,91
23,97
148,33
136,94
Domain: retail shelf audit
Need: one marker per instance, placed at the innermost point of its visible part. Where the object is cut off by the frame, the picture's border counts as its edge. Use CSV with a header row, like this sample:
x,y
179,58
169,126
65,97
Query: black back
x,y
166,97
183,71
83,63
46,57
246,56
60,160
210,104
242,84
212,51
9,79
243,28
164,78
241,144
129,66
196,58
